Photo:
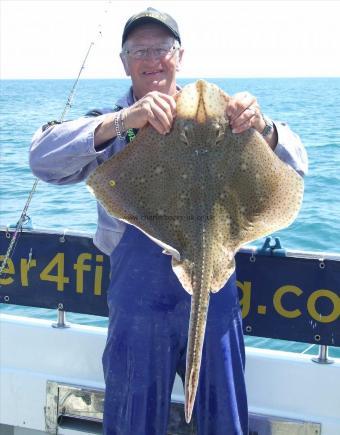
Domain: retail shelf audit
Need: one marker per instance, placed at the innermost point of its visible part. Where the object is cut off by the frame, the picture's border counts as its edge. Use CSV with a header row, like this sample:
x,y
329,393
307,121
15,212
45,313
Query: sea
x,y
310,106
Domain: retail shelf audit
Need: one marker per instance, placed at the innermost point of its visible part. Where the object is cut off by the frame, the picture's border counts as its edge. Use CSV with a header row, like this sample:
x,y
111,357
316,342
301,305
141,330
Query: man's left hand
x,y
243,112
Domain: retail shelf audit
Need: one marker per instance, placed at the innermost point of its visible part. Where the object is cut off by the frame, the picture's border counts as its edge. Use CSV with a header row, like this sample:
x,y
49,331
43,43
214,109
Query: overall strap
x,y
97,112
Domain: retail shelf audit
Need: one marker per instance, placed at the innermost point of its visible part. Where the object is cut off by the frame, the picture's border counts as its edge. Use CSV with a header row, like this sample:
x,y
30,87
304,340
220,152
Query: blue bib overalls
x,y
146,345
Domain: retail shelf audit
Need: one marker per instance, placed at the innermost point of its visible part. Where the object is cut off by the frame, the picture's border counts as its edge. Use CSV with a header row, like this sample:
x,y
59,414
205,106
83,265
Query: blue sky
x,y
49,39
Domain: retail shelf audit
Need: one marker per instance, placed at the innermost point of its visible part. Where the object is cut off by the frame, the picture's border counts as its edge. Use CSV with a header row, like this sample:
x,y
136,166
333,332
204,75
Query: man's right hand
x,y
155,108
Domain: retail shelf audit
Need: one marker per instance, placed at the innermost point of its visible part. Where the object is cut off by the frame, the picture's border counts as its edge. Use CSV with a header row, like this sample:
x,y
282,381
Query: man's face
x,y
151,73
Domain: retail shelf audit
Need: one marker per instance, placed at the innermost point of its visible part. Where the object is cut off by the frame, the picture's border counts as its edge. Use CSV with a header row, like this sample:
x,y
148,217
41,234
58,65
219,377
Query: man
x,y
148,308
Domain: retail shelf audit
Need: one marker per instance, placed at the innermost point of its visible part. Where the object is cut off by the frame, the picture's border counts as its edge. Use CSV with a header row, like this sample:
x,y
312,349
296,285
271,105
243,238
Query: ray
x,y
200,192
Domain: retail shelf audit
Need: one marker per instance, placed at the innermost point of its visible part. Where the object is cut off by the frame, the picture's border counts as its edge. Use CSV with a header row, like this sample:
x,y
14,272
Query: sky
x,y
49,39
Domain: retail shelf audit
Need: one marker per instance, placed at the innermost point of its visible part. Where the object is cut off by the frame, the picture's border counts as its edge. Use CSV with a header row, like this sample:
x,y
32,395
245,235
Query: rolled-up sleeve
x,y
290,149
65,153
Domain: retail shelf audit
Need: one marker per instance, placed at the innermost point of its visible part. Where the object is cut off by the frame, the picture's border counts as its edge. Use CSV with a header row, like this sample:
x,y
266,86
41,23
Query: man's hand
x,y
243,112
155,108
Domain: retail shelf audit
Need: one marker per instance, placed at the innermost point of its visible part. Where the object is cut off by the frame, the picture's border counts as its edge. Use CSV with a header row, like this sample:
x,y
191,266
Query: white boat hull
x,y
279,384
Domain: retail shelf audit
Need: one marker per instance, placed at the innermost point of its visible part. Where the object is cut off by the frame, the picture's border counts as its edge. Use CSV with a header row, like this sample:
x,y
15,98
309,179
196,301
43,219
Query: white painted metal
x,y
32,352
286,384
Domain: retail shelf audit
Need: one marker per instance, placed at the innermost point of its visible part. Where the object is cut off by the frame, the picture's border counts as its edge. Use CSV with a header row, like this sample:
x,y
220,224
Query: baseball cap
x,y
151,15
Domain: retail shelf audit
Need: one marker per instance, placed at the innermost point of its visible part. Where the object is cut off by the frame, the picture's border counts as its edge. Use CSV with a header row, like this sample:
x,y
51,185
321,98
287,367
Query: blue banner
x,y
281,297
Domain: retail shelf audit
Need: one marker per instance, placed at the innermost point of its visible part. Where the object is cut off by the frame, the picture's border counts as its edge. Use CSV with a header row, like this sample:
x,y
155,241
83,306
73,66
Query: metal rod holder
x,y
322,358
61,321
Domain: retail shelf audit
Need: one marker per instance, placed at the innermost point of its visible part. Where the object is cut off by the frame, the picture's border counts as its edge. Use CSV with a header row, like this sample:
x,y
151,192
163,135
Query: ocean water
x,y
311,106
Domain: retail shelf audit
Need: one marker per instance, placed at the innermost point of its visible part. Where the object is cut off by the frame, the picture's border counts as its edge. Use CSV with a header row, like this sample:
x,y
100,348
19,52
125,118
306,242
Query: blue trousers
x,y
146,345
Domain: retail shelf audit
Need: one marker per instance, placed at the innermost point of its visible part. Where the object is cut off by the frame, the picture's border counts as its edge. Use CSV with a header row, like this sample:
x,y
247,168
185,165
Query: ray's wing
x,y
146,186
262,194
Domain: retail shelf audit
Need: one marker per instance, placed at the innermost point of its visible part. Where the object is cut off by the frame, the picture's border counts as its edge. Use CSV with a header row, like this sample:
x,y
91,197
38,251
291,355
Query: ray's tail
x,y
198,320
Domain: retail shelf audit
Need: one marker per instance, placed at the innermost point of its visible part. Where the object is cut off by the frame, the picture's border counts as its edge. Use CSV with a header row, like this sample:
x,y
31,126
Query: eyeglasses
x,y
156,52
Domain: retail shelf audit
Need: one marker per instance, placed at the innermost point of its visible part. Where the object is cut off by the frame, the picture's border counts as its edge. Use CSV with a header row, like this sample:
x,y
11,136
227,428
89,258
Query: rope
x,y
68,105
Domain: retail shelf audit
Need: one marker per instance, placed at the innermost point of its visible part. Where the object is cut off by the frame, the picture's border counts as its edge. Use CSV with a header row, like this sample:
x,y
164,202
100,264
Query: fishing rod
x,y
24,217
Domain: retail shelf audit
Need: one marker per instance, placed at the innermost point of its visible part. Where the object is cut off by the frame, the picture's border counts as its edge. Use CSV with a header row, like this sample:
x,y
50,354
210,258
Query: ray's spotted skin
x,y
201,192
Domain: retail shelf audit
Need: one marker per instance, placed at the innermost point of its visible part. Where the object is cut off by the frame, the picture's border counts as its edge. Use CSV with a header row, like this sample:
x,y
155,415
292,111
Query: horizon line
x,y
178,78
